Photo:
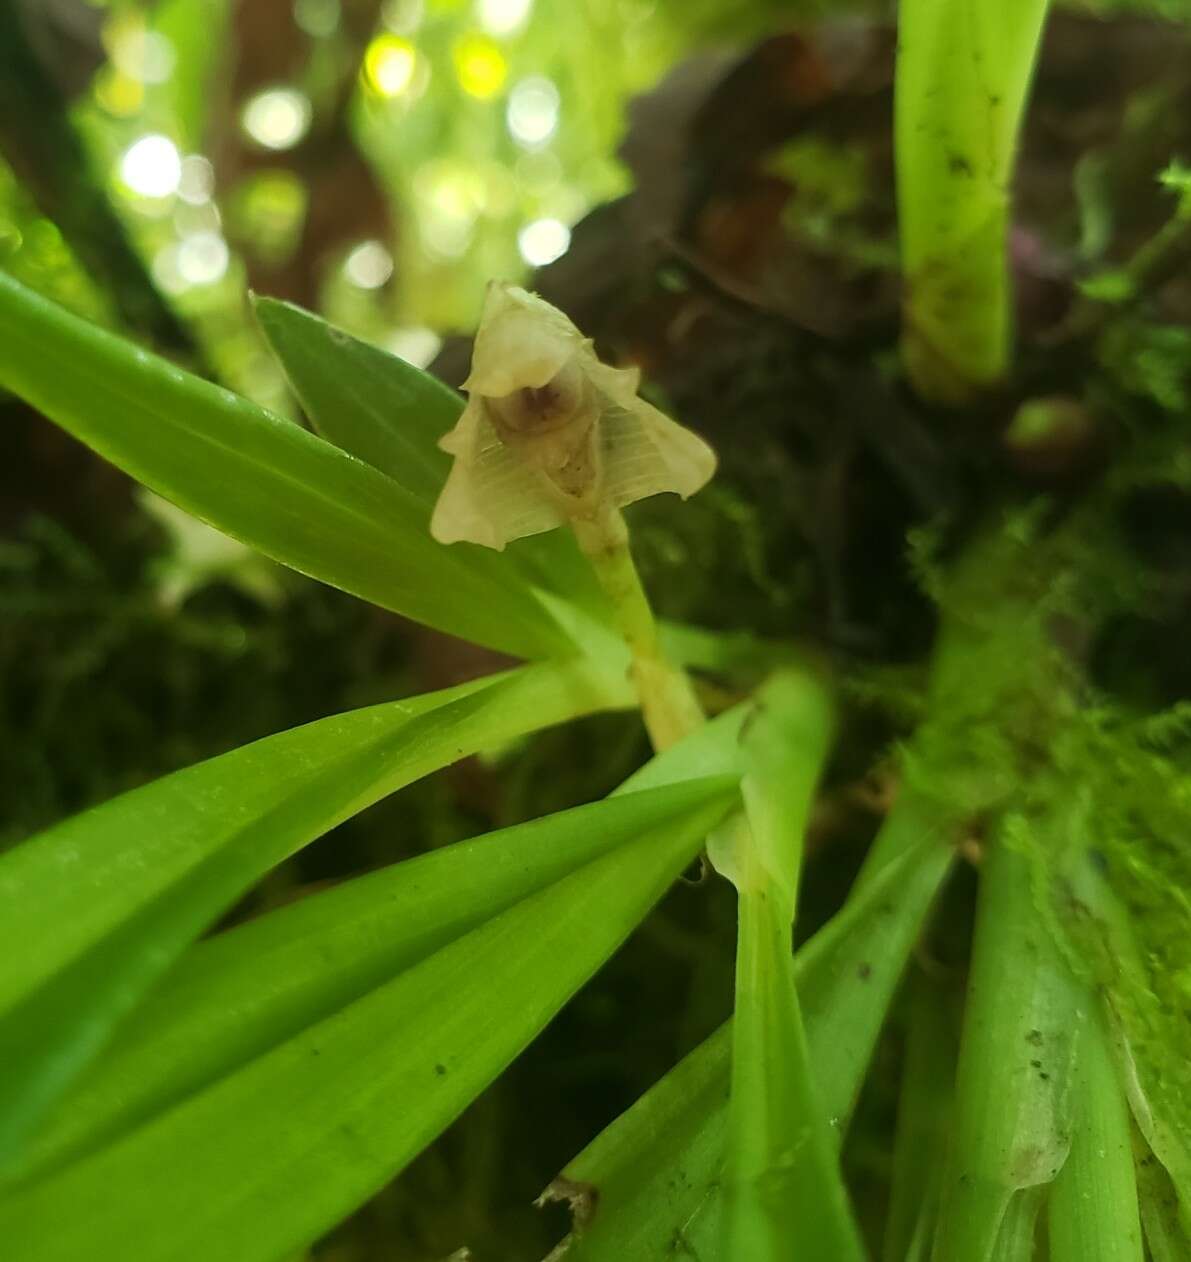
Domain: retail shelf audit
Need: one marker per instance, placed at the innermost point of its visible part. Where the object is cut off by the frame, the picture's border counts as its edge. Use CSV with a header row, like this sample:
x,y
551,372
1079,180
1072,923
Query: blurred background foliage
x,y
376,160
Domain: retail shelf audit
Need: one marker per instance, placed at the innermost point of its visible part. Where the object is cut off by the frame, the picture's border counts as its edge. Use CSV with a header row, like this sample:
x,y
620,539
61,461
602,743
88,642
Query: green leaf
x,y
237,995
391,415
658,1168
785,1189
923,1116
1092,1209
128,885
1013,1085
783,1177
372,404
271,484
264,1161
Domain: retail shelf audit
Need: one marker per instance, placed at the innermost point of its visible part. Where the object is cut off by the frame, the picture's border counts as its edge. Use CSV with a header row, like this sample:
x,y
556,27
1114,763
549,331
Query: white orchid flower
x,y
550,435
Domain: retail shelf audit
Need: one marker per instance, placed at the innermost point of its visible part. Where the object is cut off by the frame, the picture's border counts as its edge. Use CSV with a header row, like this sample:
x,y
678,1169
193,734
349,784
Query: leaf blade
x,y
271,484
211,840
236,995
658,1166
266,1160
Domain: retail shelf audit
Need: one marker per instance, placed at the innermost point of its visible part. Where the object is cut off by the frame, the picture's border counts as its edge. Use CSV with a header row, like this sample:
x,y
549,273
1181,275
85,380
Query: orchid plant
x,y
174,1094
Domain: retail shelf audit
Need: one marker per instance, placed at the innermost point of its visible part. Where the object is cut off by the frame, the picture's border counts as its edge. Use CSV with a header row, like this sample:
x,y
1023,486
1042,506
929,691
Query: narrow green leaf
x,y
271,484
129,885
391,415
1092,1212
923,1116
372,404
651,1177
1013,1085
658,1168
785,1189
237,995
786,743
264,1161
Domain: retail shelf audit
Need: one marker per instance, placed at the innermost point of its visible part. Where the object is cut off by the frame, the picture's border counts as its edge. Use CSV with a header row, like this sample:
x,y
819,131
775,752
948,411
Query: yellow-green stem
x,y
668,702
962,76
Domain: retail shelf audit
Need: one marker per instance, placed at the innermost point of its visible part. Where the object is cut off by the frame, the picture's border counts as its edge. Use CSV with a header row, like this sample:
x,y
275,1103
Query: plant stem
x,y
668,702
963,72
1093,1205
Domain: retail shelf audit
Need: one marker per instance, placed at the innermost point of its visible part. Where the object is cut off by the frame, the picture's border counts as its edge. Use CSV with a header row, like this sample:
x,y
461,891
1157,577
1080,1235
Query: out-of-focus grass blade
x,y
264,1161
1014,1084
128,885
785,1191
658,1168
923,1114
236,995
391,415
271,484
1092,1211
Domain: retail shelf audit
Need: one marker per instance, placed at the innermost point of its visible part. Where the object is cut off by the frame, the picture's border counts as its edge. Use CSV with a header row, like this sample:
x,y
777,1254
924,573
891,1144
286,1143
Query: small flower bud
x,y
550,435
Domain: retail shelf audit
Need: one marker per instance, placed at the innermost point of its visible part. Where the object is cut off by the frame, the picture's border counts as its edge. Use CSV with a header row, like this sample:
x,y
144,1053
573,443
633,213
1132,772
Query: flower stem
x,y
668,702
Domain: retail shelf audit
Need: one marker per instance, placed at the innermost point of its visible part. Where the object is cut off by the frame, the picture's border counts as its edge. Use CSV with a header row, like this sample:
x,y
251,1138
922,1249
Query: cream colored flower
x,y
550,435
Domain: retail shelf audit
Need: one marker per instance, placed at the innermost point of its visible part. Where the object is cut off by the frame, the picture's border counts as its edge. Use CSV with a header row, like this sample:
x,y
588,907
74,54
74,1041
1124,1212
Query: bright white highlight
x,y
146,56
416,345
369,265
197,180
152,166
503,17
202,259
543,241
277,118
532,112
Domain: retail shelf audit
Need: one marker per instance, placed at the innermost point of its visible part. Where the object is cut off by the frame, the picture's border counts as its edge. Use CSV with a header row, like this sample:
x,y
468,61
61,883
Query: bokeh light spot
x,y
479,66
152,166
147,56
369,265
403,17
318,18
532,112
202,259
416,345
197,180
117,93
543,240
389,65
503,17
277,118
